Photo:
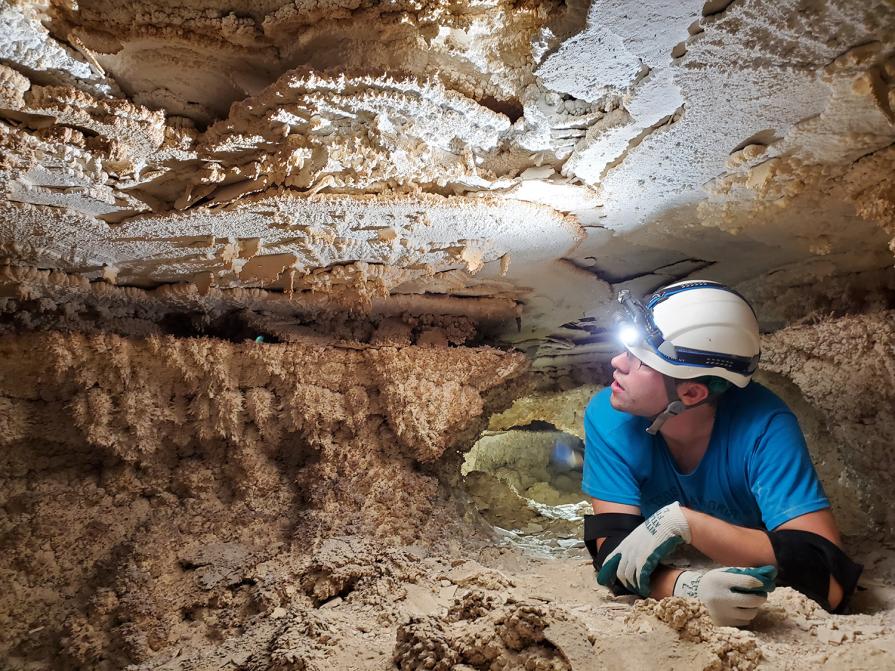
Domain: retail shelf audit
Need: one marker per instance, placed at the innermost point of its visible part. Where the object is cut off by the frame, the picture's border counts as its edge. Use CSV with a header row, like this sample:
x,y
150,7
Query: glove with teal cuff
x,y
638,555
732,596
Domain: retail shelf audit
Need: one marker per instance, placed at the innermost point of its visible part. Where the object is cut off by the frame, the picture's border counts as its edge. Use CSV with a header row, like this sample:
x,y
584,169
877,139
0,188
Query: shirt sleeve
x,y
607,475
781,475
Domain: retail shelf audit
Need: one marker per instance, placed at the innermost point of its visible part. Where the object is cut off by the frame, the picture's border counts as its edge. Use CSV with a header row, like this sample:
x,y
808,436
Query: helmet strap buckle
x,y
674,408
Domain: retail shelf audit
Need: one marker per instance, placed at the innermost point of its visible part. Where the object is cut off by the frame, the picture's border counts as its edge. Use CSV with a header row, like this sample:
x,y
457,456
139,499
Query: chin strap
x,y
675,405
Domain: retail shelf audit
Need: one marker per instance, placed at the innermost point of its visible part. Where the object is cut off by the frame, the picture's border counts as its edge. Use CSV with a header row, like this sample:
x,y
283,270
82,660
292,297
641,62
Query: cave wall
x,y
145,481
840,380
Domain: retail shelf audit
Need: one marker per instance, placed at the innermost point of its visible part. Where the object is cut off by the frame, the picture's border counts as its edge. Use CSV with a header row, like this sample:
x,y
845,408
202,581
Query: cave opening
x,y
525,482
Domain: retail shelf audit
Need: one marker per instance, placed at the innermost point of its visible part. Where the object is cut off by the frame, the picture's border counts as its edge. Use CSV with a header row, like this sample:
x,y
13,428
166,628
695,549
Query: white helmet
x,y
695,328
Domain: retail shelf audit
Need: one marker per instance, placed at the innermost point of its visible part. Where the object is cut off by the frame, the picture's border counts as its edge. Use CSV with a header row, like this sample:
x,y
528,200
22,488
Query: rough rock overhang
x,y
537,153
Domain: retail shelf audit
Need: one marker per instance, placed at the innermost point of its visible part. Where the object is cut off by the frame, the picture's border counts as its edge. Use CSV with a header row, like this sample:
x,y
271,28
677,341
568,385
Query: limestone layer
x,y
32,299
546,152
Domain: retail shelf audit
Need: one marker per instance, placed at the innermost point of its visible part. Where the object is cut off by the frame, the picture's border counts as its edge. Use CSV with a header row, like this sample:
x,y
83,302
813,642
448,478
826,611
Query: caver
x,y
685,448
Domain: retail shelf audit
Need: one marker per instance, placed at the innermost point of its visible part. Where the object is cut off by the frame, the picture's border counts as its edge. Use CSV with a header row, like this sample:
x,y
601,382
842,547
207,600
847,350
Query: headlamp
x,y
628,334
635,322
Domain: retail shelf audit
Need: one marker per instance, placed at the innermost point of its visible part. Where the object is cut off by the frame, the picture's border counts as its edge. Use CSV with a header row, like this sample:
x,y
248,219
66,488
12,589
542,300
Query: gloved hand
x,y
637,556
731,595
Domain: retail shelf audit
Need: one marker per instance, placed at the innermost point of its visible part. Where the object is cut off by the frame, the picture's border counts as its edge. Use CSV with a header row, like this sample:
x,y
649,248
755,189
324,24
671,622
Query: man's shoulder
x,y
753,410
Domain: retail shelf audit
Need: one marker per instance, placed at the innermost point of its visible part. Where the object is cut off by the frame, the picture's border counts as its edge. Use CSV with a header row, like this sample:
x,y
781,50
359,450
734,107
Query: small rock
x,y
278,612
239,658
802,623
444,582
332,603
537,172
830,636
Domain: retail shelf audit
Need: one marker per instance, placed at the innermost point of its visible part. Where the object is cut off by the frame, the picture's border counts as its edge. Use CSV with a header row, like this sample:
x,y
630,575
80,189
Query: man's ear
x,y
692,393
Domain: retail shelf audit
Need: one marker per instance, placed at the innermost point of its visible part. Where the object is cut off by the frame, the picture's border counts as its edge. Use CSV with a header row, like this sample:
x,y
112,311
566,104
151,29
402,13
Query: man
x,y
686,440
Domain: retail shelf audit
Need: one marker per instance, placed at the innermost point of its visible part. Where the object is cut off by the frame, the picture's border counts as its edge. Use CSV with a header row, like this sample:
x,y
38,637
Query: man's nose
x,y
620,362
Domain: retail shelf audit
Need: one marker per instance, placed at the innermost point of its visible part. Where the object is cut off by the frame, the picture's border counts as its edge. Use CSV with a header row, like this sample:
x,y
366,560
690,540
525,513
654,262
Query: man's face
x,y
636,388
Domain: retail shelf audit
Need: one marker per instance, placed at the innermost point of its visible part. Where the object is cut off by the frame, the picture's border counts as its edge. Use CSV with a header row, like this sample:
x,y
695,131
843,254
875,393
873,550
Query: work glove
x,y
732,596
637,556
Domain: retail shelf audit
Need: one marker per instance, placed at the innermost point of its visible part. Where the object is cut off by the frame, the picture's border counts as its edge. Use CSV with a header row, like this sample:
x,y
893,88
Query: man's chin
x,y
616,402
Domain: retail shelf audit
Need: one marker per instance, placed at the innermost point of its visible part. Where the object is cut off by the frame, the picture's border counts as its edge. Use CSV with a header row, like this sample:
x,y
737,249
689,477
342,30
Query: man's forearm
x,y
728,544
662,581
731,546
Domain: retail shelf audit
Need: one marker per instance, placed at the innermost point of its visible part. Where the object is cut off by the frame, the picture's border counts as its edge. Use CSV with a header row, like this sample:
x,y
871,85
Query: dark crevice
x,y
609,278
535,425
692,265
633,143
347,589
510,108
764,137
233,326
580,325
703,263
245,582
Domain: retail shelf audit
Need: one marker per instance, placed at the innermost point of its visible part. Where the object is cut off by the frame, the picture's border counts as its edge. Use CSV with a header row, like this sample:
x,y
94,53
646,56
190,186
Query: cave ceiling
x,y
435,155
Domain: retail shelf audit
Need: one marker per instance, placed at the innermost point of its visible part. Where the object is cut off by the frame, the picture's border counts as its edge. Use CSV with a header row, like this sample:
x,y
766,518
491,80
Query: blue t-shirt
x,y
755,473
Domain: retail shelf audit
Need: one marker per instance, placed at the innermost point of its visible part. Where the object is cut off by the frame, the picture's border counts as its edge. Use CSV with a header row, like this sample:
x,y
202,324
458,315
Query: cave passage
x,y
526,483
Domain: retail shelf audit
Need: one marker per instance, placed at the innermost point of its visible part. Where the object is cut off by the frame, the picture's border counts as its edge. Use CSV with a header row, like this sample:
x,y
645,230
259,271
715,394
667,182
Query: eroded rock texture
x,y
484,636
845,369
145,481
540,152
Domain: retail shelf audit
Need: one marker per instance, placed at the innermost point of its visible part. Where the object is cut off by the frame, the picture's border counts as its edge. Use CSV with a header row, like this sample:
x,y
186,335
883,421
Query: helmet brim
x,y
684,371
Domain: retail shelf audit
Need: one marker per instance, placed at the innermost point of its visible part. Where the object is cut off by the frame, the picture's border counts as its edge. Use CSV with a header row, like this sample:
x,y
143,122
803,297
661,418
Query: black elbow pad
x,y
806,561
613,528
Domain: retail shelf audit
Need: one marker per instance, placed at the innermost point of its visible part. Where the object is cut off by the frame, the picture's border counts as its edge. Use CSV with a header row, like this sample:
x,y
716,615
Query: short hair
x,y
716,385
